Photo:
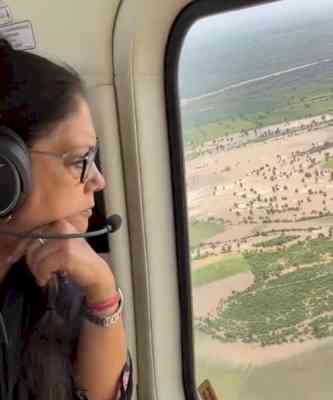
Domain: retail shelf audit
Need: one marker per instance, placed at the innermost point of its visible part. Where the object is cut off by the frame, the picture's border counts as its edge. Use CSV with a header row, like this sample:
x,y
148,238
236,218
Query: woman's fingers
x,y
37,248
73,257
20,250
43,274
46,267
43,259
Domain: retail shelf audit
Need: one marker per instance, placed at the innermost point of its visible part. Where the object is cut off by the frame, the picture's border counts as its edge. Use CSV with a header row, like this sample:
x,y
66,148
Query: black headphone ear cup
x,y
15,171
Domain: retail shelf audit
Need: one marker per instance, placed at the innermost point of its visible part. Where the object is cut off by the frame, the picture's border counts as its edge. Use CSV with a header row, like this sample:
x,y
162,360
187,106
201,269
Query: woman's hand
x,y
72,257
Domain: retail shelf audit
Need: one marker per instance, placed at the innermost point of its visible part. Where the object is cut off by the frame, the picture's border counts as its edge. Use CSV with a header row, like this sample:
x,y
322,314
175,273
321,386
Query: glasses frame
x,y
88,160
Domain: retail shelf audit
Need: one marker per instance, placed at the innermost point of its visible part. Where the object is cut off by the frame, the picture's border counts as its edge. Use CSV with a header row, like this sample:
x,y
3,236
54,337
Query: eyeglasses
x,y
78,162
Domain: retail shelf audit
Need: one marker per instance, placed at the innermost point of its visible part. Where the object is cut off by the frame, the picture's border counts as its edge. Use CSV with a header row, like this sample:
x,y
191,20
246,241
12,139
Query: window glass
x,y
256,91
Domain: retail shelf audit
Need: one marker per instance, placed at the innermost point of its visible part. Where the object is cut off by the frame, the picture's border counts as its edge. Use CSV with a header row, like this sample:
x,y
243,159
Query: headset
x,y
16,184
15,171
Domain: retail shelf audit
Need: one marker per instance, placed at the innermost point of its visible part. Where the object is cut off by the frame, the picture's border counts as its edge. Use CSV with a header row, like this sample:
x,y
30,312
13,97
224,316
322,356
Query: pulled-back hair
x,y
36,94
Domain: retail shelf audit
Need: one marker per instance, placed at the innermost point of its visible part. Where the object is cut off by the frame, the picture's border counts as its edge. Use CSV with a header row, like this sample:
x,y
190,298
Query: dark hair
x,y
36,95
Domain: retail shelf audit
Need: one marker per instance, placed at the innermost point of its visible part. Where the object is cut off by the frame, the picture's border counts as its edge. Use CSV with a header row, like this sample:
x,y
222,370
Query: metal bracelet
x,y
108,320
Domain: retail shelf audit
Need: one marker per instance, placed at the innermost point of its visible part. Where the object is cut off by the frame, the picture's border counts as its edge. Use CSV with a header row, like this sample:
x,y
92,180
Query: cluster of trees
x,y
280,308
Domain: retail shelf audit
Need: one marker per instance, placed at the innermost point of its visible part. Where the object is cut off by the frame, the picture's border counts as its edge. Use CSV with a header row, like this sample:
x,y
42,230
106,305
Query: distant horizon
x,y
275,33
261,78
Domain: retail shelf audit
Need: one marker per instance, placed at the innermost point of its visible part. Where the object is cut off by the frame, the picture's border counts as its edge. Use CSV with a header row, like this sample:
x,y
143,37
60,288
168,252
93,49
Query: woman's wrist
x,y
101,291
106,316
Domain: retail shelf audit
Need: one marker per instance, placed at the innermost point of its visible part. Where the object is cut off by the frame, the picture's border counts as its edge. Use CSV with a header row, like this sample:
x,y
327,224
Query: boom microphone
x,y
112,224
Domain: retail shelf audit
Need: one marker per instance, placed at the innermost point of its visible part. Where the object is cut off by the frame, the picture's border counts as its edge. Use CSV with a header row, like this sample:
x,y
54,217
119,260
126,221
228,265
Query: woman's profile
x,y
60,338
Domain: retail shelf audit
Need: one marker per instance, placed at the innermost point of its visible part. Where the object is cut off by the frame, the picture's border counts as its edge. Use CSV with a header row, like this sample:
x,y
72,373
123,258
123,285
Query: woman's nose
x,y
95,181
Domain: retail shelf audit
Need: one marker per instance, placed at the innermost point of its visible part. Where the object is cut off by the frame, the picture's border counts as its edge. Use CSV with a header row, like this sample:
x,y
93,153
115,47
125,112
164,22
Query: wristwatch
x,y
106,321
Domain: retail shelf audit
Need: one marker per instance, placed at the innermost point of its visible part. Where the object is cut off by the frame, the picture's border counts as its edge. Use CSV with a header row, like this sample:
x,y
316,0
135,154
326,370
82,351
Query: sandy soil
x,y
240,354
242,183
203,262
206,298
281,180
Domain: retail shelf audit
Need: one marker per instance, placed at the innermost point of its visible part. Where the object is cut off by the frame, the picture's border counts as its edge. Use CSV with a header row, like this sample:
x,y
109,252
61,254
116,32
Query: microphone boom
x,y
112,224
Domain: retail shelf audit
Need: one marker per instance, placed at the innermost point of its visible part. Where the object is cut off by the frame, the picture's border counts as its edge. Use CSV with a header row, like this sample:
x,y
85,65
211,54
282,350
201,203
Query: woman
x,y
55,347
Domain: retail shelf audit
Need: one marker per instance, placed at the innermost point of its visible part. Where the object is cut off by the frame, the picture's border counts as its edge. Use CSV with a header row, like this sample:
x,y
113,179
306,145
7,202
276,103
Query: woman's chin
x,y
80,221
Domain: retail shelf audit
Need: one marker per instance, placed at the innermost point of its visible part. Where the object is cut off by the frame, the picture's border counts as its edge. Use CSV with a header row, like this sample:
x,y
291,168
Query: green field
x,y
300,377
267,103
201,231
279,241
305,376
227,382
280,307
328,164
227,267
203,133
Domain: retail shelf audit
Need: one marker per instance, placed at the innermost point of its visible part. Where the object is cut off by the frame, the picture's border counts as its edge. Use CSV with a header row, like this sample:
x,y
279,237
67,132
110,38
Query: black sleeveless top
x,y
22,305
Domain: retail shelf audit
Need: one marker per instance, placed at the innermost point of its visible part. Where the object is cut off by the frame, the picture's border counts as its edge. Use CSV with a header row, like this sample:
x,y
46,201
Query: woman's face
x,y
57,192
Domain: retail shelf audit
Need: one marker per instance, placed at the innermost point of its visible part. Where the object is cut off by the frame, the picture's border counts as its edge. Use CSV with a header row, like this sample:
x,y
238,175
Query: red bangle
x,y
108,303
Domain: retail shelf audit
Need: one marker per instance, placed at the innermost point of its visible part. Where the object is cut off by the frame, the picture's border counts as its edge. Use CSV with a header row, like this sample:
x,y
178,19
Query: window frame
x,y
101,243
182,24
